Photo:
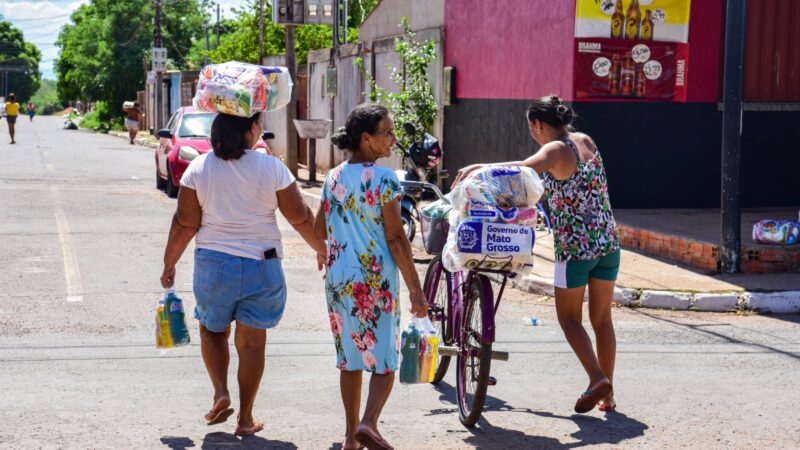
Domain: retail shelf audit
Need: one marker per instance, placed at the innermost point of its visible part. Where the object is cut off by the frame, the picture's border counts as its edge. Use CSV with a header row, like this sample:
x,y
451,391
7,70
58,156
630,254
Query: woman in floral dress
x,y
360,218
587,251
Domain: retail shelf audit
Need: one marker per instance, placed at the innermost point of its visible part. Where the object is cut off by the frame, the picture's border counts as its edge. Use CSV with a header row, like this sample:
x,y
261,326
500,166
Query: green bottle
x,y
409,366
173,307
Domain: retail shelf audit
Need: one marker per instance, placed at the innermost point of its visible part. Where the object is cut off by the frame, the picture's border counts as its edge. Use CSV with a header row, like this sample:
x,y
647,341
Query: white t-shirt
x,y
239,199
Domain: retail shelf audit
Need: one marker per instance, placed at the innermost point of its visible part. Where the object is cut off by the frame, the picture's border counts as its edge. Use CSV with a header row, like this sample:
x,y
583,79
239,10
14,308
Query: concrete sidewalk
x,y
644,281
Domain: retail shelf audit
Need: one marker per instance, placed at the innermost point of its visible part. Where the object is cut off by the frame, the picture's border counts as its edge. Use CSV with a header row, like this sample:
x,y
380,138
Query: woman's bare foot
x,y
351,443
247,426
370,437
221,404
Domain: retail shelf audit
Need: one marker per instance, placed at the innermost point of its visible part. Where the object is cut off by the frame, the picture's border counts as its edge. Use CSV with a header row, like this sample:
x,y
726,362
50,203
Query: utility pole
x,y
158,42
731,204
207,45
291,108
217,24
261,31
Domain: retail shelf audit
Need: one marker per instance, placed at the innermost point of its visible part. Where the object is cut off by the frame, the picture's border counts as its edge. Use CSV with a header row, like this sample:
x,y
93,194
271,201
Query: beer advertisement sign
x,y
647,20
630,70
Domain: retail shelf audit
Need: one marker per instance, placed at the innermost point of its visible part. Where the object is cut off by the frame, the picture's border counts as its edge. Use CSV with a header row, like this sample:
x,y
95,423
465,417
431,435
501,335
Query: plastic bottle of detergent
x,y
173,306
433,343
163,321
409,366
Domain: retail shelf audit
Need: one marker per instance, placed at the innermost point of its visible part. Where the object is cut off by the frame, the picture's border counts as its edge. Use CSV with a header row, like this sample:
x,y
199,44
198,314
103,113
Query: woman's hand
x,y
419,306
464,172
168,276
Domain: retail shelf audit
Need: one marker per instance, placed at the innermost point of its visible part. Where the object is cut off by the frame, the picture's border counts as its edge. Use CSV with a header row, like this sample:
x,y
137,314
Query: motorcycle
x,y
418,159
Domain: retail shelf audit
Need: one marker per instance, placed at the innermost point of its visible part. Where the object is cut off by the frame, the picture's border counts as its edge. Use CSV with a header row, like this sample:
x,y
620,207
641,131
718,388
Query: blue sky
x,y
41,20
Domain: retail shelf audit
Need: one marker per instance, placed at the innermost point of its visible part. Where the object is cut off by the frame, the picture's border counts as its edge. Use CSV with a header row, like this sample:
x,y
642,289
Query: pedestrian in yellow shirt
x,y
12,111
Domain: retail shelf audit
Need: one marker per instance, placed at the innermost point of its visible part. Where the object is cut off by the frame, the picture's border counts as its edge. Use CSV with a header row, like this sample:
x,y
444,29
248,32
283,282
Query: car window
x,y
173,122
196,125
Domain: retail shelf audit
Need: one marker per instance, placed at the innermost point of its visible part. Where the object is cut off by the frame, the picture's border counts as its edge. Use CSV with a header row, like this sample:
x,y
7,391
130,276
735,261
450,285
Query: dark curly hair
x,y
228,135
552,111
363,118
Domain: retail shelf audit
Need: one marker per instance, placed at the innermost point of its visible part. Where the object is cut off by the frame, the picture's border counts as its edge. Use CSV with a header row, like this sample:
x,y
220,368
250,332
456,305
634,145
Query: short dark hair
x,y
12,97
228,135
363,118
551,110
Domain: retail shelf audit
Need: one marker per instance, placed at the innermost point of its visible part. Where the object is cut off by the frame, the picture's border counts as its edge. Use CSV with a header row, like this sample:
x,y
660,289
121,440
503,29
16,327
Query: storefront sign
x,y
647,20
630,70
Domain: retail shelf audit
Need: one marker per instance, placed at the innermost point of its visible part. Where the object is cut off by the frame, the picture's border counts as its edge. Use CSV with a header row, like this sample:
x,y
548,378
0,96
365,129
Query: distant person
x,y
360,218
12,111
586,243
229,198
134,117
31,110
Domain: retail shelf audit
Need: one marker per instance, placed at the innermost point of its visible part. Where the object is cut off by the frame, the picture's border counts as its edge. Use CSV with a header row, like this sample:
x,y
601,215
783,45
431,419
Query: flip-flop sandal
x,y
594,394
371,440
221,416
258,426
607,408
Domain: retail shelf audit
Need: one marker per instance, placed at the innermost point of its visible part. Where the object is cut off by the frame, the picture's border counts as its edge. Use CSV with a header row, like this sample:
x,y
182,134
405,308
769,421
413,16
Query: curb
x,y
786,302
138,141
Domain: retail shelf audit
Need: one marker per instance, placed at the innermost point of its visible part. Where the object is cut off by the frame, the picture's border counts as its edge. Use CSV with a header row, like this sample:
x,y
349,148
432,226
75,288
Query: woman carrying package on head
x,y
228,199
587,250
360,218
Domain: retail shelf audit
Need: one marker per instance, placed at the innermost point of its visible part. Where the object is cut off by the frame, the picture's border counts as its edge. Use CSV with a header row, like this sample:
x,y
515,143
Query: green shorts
x,y
576,273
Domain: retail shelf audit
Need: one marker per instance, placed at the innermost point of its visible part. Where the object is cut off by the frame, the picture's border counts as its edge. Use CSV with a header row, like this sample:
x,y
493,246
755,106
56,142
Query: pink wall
x,y
511,49
524,49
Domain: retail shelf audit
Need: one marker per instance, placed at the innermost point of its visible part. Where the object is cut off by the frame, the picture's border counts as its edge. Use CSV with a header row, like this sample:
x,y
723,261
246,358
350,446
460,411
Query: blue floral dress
x,y
361,282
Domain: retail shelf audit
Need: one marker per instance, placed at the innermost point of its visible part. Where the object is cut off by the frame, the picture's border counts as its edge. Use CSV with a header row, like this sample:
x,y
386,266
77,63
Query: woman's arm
x,y
300,216
320,229
548,157
185,223
400,249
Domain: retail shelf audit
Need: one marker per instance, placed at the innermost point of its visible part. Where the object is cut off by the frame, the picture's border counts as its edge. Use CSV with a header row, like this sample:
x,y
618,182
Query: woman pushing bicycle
x,y
586,244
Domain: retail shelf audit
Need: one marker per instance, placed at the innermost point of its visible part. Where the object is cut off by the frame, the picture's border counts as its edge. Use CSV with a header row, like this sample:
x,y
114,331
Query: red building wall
x,y
523,49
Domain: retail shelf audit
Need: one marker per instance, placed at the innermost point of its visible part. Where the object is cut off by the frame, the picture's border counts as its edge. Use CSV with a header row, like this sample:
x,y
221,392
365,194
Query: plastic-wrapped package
x,y
494,220
501,186
776,232
242,89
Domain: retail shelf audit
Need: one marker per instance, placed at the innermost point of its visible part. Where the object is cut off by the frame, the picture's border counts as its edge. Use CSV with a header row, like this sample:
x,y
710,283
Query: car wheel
x,y
161,183
172,190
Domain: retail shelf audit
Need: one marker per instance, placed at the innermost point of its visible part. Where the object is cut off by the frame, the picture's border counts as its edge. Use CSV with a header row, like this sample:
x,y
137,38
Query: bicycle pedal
x,y
492,381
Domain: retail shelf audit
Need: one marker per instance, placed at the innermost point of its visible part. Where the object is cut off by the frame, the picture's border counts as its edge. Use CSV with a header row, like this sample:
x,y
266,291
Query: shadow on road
x,y
221,440
613,429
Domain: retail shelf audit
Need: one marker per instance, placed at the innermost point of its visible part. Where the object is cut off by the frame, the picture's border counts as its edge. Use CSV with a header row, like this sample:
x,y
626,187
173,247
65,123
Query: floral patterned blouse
x,y
362,278
580,211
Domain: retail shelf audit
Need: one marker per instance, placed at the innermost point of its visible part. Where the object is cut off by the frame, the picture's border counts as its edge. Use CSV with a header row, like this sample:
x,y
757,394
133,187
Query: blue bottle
x,y
409,366
173,307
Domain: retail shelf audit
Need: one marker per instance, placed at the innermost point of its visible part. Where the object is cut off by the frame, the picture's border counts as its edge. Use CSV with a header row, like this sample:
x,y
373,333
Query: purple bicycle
x,y
462,308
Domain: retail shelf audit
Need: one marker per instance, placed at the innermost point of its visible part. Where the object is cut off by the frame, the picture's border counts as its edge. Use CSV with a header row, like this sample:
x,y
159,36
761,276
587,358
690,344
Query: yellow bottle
x,y
433,341
166,336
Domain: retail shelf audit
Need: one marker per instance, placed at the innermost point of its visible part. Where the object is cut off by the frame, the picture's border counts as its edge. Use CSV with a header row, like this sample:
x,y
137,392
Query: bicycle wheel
x,y
437,290
475,358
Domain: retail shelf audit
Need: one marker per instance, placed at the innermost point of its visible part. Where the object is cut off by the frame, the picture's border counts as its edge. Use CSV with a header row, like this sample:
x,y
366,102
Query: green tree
x,y
104,47
414,102
23,57
46,98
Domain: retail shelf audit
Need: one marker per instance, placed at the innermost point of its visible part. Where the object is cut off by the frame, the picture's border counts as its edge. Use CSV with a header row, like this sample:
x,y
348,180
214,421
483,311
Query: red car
x,y
187,136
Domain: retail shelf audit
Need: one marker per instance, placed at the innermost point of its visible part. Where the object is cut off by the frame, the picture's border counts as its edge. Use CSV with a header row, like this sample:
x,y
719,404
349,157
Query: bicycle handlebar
x,y
425,186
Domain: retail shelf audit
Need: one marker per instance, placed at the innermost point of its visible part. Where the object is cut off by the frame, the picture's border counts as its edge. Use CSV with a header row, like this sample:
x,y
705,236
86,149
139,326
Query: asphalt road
x,y
82,232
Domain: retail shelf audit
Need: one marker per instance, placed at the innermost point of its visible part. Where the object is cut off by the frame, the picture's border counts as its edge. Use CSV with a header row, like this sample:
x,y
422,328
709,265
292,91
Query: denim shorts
x,y
576,273
228,288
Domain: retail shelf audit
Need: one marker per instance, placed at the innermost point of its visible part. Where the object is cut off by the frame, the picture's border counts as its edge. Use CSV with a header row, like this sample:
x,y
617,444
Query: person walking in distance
x,y
12,112
228,199
360,218
587,250
31,108
132,120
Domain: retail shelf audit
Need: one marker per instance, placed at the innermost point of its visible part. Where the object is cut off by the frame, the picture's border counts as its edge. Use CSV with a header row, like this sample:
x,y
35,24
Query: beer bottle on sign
x,y
647,26
617,21
641,87
628,74
613,75
633,21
